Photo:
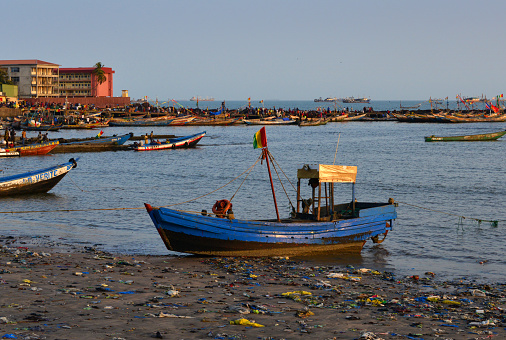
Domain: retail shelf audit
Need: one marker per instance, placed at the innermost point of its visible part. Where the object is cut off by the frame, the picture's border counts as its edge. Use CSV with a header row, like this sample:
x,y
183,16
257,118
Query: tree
x,y
4,77
99,73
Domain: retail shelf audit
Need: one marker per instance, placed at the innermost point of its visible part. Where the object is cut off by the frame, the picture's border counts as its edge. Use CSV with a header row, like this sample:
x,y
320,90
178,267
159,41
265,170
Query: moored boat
x,y
314,122
5,153
34,149
33,182
172,143
467,138
275,121
320,227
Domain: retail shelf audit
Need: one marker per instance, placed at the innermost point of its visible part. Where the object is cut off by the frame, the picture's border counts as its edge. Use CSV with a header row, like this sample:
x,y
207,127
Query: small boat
x,y
172,143
316,122
34,149
5,153
356,100
201,99
42,127
33,182
275,121
179,121
116,140
159,121
320,227
469,138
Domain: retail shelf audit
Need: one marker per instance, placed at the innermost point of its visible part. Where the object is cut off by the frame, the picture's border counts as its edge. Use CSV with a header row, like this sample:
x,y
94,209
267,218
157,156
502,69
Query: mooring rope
x,y
279,178
494,223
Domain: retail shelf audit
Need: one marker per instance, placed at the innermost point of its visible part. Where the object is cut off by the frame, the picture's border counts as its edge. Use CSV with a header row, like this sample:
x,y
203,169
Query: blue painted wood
x,y
198,234
37,181
118,140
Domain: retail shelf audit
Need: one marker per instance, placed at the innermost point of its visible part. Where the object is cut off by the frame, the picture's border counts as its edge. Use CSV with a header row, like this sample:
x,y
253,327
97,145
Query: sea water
x,y
447,192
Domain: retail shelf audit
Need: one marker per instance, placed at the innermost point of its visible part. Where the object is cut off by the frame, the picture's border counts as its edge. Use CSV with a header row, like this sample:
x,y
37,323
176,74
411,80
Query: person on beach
x,y
23,137
6,136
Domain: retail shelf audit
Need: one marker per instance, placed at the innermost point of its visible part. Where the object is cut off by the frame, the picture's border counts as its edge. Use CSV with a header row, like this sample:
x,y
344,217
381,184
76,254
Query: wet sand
x,y
49,292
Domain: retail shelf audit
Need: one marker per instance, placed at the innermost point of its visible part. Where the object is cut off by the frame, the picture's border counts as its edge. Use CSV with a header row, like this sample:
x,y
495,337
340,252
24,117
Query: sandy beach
x,y
50,292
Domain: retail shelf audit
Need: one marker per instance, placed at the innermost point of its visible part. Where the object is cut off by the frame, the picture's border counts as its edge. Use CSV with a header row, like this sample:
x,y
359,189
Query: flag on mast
x,y
260,139
100,134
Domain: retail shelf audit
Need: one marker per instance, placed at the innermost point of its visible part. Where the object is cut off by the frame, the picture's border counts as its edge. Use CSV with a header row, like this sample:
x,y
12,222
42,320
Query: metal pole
x,y
266,155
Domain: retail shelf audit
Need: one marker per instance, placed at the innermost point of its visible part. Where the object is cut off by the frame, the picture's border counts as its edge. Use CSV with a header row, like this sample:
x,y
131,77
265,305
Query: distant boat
x,y
33,182
158,121
319,100
275,121
172,143
469,138
316,122
202,99
356,100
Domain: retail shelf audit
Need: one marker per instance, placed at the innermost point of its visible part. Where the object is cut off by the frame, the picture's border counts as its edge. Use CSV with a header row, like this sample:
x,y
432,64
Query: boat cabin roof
x,y
329,173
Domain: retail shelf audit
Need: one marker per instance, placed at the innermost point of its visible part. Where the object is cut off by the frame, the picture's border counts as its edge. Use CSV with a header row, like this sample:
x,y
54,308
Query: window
x,y
15,80
14,69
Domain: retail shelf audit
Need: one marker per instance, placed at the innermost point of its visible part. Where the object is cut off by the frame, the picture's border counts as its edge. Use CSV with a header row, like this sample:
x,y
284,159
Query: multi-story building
x,y
82,82
34,78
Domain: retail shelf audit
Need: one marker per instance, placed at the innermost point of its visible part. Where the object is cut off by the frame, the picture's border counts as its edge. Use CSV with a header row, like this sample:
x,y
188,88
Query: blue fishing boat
x,y
316,226
115,139
33,182
172,143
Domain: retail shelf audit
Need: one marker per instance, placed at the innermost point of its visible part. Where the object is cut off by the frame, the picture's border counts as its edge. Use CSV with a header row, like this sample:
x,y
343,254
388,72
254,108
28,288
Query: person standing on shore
x,y
6,137
23,137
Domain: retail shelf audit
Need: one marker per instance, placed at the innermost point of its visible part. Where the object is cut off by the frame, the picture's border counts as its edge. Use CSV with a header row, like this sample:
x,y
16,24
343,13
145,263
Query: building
x,y
82,82
34,78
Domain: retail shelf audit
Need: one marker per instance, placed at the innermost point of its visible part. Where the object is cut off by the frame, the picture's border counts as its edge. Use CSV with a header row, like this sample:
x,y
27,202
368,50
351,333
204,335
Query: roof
x,y
26,62
84,70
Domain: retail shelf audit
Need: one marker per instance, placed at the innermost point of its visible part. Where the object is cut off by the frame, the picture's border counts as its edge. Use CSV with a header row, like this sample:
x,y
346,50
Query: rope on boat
x,y
194,199
493,223
279,178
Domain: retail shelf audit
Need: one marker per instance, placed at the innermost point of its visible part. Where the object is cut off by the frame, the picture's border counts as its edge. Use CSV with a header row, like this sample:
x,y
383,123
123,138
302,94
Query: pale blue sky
x,y
287,50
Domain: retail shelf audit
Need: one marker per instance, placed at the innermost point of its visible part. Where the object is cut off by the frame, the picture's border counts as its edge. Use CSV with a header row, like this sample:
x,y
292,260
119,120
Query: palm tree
x,y
99,73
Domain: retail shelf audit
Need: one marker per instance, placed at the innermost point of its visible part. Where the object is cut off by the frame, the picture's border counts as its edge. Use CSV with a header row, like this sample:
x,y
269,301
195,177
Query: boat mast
x,y
266,156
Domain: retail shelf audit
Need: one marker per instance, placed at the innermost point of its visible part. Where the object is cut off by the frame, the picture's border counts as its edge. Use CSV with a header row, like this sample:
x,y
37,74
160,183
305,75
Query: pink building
x,y
81,82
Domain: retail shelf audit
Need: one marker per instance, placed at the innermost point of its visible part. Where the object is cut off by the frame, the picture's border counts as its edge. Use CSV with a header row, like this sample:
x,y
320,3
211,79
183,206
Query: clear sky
x,y
269,49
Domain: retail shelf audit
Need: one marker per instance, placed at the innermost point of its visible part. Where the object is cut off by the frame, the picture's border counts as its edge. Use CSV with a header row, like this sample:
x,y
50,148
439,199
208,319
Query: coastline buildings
x,y
41,81
82,82
34,78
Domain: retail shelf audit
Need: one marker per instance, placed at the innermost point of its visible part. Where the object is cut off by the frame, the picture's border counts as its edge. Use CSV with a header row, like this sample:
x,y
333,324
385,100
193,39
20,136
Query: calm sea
x,y
436,185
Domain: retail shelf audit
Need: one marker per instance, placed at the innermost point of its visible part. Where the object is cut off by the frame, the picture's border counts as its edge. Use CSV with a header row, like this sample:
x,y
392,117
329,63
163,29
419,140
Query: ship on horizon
x,y
356,100
318,100
201,99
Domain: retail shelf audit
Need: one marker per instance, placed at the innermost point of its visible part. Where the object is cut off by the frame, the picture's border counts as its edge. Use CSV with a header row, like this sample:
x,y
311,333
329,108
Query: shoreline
x,y
52,292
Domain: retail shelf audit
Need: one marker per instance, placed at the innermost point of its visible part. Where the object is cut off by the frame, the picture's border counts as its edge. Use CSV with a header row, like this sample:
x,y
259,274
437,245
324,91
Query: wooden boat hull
x,y
468,138
34,149
141,122
312,122
116,140
206,235
173,143
42,128
9,153
33,182
269,122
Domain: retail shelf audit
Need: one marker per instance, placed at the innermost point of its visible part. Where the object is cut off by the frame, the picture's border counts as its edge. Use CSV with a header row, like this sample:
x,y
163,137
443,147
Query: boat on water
x,y
274,121
316,226
353,100
314,122
94,144
33,182
468,138
213,121
172,143
5,153
33,149
202,99
328,99
158,121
